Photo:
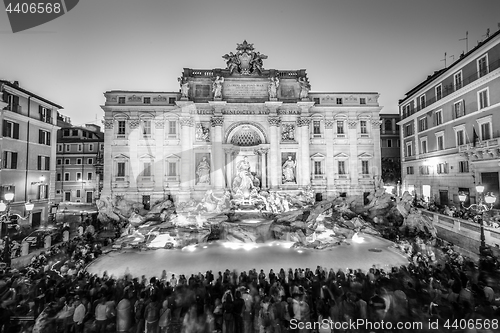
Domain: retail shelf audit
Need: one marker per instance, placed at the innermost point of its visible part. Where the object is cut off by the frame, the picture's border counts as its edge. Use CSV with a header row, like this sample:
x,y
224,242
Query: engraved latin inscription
x,y
245,90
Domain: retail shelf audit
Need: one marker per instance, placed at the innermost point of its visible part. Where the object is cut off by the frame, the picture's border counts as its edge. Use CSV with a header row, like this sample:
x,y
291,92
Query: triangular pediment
x,y
121,156
317,156
172,157
365,155
146,157
341,155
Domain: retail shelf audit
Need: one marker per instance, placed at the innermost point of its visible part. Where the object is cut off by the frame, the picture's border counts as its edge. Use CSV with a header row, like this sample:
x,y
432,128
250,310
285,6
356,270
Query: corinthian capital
x,y
274,120
376,123
186,121
217,121
303,121
352,123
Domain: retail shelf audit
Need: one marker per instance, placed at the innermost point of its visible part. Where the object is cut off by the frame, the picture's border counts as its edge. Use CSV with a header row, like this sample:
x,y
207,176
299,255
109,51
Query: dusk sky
x,y
385,46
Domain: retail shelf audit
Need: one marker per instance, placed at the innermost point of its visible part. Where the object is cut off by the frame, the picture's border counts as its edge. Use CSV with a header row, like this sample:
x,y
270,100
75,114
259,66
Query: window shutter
x,y
14,160
47,163
40,136
39,165
40,111
4,161
4,128
48,139
16,131
5,98
16,100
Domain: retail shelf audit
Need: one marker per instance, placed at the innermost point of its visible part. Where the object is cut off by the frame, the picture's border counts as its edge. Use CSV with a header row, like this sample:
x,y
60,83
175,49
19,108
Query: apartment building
x,y
450,128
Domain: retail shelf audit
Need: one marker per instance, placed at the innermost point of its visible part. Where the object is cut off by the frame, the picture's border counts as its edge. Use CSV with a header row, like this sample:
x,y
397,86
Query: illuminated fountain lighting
x,y
161,240
189,248
236,246
357,239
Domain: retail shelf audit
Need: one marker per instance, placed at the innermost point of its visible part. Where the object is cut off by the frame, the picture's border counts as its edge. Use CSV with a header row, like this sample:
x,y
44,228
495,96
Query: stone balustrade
x,y
464,233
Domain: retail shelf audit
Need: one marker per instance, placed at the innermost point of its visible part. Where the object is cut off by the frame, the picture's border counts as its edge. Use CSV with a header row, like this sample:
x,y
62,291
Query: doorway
x,y
490,182
426,192
89,197
36,220
146,201
443,197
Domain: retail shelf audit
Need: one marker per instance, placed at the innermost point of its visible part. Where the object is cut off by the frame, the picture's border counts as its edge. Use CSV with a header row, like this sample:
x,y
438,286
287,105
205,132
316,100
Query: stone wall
x,y
464,234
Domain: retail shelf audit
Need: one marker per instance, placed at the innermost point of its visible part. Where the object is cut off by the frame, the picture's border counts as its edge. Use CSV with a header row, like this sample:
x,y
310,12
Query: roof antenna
x,y
467,41
444,60
453,57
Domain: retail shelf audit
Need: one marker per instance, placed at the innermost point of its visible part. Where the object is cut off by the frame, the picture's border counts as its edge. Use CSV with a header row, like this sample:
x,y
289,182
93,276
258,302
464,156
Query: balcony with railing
x,y
481,150
14,108
451,88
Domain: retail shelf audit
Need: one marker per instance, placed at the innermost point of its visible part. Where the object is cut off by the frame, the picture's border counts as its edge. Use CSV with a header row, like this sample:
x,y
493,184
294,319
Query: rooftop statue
x,y
274,83
246,61
304,88
217,87
184,87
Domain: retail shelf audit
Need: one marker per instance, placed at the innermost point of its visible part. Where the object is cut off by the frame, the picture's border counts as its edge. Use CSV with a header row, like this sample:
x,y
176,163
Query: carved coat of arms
x,y
246,61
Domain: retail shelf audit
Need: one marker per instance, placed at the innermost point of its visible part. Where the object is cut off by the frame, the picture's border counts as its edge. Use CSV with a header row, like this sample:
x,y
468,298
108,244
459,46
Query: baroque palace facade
x,y
239,129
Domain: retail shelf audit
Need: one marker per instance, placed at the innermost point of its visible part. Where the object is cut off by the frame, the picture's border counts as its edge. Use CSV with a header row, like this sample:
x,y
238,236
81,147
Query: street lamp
x,y
479,208
5,210
5,207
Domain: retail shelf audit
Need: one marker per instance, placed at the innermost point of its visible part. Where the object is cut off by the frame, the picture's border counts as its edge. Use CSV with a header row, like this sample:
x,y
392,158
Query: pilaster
x,y
159,165
377,155
353,152
107,158
329,160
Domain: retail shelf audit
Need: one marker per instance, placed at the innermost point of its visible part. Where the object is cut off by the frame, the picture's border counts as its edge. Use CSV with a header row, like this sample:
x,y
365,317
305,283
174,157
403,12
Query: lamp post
x,y
5,207
480,208
5,210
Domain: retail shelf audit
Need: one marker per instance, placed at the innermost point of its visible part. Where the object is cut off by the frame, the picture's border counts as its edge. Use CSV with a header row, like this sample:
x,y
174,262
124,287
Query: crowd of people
x,y
66,298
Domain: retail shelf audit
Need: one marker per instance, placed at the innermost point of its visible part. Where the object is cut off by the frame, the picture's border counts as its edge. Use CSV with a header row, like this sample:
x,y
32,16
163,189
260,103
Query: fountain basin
x,y
221,255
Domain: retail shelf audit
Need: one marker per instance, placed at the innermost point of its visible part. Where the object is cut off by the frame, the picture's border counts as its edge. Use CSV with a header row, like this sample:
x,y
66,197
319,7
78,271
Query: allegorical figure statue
x,y
304,88
289,170
274,83
217,86
184,87
203,171
245,174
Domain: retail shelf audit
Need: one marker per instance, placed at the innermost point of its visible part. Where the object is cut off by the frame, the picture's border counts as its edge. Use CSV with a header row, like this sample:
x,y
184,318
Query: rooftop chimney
x,y
16,83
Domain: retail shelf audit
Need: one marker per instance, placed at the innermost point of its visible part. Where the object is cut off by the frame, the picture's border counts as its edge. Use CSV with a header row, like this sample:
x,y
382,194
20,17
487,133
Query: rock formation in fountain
x,y
290,217
416,222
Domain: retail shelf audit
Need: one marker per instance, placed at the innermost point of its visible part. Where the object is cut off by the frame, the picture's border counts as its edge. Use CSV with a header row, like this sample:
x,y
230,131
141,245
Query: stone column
x,y
263,164
218,153
377,157
305,167
353,153
229,166
274,163
186,154
329,167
